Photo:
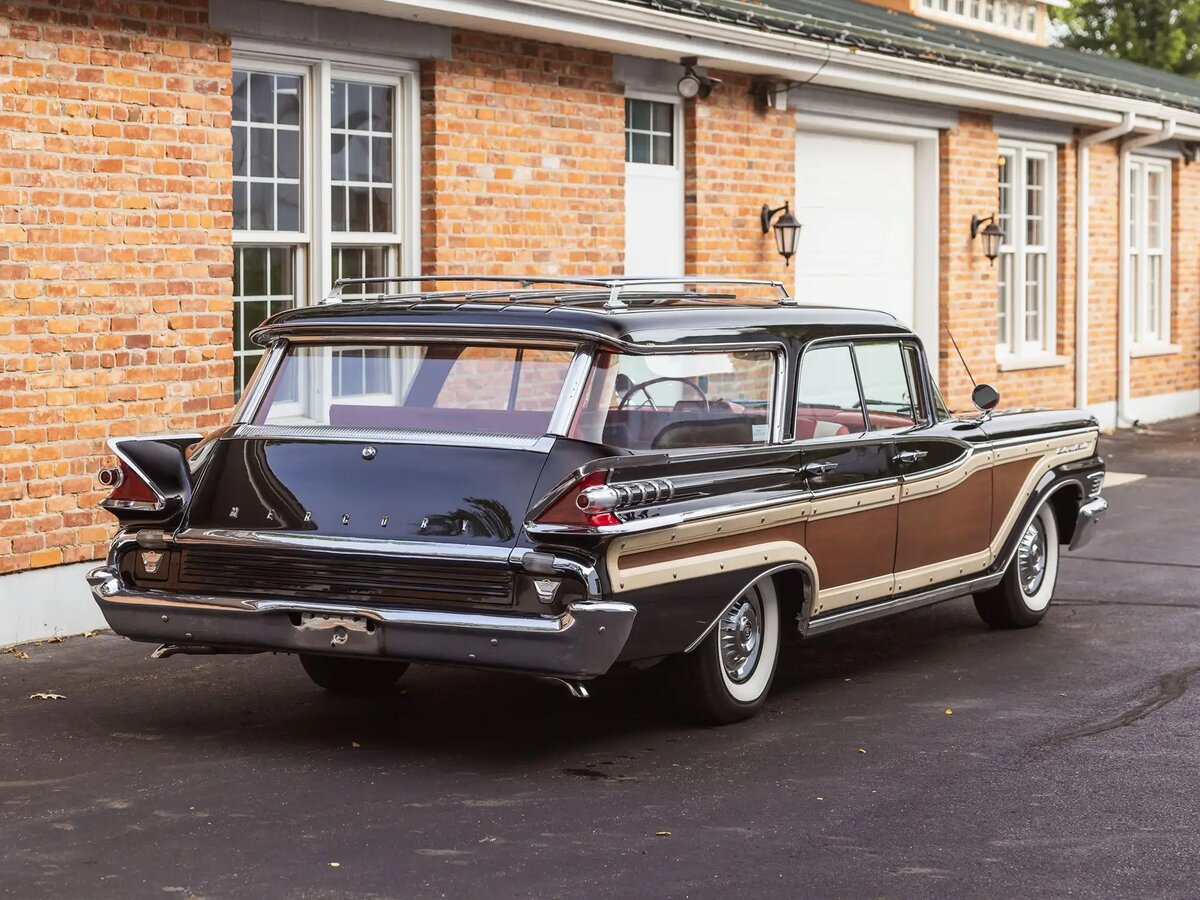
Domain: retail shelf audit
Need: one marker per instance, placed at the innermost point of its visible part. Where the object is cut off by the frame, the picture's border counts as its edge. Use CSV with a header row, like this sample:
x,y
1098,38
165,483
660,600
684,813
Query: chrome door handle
x,y
904,457
809,470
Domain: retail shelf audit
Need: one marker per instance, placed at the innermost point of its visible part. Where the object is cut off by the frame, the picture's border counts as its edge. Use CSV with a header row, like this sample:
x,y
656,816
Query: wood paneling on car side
x,y
865,545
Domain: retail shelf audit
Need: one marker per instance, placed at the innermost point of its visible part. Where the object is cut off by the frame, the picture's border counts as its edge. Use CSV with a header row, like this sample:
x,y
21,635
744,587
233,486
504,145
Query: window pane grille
x,y
362,133
263,284
649,132
266,151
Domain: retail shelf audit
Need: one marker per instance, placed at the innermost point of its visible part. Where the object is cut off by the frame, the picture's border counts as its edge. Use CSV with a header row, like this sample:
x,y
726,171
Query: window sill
x,y
1138,351
1007,363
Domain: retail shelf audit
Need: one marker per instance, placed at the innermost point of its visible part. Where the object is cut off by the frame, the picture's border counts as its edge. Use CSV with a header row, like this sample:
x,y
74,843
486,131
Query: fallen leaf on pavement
x,y
55,639
335,865
662,834
949,712
47,695
861,750
21,654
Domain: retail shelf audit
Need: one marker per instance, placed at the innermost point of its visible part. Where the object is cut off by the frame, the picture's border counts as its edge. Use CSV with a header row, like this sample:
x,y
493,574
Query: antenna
x,y
974,383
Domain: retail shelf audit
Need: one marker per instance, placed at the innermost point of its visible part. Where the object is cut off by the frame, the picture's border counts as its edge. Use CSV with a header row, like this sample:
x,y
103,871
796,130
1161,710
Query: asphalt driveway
x,y
919,756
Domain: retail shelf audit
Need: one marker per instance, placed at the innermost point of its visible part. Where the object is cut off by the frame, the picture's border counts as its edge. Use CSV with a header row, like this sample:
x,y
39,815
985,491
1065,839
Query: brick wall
x,y
115,260
522,159
735,159
967,294
1104,273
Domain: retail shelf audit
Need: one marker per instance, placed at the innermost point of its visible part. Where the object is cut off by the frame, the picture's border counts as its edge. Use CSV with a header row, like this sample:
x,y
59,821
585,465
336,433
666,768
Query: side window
x,y
827,400
887,393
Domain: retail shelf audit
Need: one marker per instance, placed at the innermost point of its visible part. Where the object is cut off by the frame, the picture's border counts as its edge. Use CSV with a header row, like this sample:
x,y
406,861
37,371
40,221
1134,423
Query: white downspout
x,y
1082,205
1125,298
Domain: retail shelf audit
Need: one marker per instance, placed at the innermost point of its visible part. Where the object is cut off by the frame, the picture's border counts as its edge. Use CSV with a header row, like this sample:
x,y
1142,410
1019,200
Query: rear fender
x,y
158,461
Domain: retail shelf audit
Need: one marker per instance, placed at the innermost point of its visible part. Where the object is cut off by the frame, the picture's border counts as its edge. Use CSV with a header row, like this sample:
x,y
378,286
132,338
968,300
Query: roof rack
x,y
610,288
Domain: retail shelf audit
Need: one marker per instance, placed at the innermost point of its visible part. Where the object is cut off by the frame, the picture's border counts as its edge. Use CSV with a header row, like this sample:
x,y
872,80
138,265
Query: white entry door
x,y
869,240
653,188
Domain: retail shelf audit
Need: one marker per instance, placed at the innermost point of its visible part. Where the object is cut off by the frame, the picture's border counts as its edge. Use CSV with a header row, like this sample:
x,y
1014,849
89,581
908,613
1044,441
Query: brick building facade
x,y
172,172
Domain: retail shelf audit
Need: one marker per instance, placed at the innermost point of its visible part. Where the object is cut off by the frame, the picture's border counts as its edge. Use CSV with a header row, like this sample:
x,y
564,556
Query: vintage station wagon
x,y
558,476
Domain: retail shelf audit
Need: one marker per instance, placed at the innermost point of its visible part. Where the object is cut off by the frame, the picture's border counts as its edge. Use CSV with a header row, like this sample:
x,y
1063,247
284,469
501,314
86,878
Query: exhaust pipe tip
x,y
577,689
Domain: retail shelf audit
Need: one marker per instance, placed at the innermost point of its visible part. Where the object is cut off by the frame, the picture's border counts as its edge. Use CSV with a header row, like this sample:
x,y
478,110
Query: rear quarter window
x,y
678,401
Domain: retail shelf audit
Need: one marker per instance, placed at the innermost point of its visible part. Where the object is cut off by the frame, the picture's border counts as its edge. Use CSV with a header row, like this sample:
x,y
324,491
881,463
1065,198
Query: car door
x,y
851,530
945,475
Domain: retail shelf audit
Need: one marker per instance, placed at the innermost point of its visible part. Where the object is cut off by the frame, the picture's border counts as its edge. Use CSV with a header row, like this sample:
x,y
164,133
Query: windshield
x,y
678,400
457,387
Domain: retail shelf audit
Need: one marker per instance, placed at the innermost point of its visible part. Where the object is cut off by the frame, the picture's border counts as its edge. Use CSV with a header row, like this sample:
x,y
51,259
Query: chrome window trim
x,y
850,341
571,393
341,434
264,377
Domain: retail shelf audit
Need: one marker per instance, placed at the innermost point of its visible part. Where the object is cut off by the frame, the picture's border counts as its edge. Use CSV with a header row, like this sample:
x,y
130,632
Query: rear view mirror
x,y
985,397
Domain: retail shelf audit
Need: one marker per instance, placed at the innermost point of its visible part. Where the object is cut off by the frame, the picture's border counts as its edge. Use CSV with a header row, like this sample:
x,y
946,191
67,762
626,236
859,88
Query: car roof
x,y
680,323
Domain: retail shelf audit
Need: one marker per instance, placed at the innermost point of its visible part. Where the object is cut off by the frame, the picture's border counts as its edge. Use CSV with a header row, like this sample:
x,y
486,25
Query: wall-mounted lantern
x,y
787,230
992,235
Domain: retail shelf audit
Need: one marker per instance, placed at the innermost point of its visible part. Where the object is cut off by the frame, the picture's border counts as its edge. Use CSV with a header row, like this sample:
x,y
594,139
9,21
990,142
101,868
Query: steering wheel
x,y
645,384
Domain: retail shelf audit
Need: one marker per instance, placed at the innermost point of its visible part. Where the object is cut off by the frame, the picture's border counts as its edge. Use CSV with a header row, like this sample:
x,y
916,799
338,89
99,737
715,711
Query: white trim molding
x,y
42,603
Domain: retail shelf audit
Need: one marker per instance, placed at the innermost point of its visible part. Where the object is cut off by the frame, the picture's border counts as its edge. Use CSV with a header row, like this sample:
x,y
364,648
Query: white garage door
x,y
856,198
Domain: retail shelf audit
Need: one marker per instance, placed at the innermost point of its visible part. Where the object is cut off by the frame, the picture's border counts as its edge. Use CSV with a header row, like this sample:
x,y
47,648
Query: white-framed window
x,y
650,130
1008,15
1025,269
324,186
1148,248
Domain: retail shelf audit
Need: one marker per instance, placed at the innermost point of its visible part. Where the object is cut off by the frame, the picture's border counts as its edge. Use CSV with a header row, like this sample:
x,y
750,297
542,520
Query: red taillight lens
x,y
572,508
127,484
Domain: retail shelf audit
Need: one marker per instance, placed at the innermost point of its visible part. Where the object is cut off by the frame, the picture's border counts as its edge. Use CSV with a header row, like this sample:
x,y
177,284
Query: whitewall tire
x,y
727,677
1022,598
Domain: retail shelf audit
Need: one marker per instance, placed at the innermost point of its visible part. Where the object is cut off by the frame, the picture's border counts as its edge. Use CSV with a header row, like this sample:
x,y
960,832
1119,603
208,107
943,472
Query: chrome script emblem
x,y
151,560
368,453
546,588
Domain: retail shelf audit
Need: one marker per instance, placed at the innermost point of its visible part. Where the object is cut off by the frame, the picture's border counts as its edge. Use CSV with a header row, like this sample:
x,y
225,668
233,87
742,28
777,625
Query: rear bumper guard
x,y
583,642
1088,518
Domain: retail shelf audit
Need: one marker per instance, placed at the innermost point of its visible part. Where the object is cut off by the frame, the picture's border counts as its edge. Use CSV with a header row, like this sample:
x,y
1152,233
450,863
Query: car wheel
x,y
341,675
727,677
1022,598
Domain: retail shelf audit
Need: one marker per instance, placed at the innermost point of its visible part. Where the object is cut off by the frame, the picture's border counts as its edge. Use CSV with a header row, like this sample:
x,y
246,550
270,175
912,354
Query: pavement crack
x,y
1068,601
1135,562
1171,687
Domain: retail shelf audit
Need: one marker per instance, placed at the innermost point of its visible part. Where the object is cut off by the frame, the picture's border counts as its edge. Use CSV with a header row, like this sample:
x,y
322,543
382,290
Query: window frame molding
x,y
1013,350
676,169
1137,165
319,67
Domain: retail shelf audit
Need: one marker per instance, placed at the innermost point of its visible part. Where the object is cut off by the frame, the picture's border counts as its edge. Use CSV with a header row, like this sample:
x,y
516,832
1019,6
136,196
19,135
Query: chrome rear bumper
x,y
1089,516
583,642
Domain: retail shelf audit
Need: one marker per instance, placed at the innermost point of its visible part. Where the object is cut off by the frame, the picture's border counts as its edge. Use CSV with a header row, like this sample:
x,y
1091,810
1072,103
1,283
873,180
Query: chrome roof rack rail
x,y
610,288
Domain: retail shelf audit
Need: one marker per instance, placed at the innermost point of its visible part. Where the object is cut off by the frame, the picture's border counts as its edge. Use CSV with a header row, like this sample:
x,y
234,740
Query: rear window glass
x,y
481,389
674,401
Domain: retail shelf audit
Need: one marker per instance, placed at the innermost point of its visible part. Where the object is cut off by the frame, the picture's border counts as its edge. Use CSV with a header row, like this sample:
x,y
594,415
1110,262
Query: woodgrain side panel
x,y
855,546
794,532
1008,481
946,525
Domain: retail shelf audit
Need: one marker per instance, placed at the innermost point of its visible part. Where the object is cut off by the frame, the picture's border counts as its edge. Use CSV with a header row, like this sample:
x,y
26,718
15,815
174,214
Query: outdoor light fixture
x,y
693,84
787,230
992,236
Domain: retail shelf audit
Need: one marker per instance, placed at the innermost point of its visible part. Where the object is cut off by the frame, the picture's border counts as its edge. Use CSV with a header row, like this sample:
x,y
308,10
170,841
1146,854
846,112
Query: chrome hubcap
x,y
741,637
1031,558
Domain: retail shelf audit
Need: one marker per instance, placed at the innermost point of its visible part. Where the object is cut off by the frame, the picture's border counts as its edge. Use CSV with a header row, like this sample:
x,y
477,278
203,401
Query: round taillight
x,y
111,477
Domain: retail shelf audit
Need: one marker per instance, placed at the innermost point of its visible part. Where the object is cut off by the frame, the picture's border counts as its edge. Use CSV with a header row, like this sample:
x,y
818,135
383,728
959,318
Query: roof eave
x,y
622,28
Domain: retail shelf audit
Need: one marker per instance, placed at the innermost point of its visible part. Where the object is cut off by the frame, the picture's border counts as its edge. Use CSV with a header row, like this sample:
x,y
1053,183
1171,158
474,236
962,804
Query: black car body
x,y
556,477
